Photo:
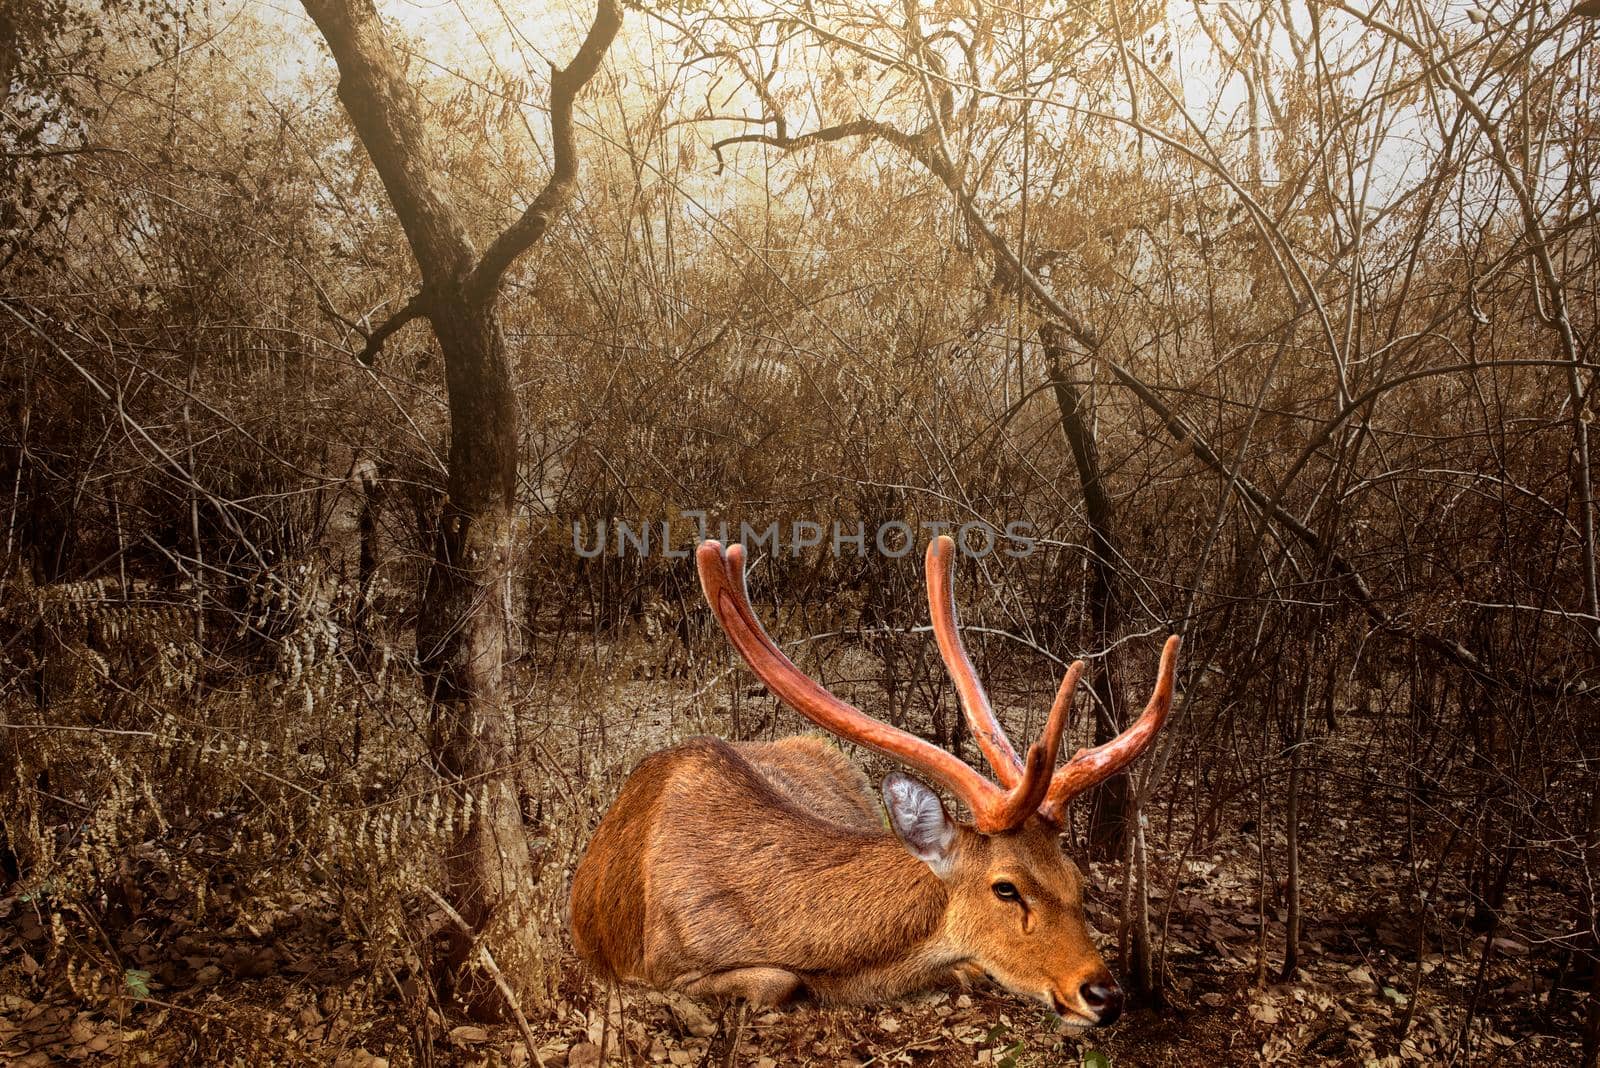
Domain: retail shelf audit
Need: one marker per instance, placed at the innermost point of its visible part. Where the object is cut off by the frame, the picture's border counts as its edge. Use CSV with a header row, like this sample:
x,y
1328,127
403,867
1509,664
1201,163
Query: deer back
x,y
772,853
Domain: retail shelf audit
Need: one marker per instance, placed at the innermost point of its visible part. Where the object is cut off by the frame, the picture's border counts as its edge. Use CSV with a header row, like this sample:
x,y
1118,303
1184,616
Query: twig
x,y
887,1055
487,960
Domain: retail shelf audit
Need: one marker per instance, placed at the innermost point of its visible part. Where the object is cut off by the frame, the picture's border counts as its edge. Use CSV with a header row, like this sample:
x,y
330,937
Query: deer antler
x,y
722,579
940,561
1090,767
1027,786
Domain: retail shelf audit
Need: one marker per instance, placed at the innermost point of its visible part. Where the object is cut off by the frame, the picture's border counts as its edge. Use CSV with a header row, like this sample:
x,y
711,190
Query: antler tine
x,y
722,579
1029,793
986,730
1092,766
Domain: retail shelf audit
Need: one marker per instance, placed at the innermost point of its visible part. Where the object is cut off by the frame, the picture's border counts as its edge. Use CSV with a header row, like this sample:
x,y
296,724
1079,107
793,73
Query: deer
x,y
766,873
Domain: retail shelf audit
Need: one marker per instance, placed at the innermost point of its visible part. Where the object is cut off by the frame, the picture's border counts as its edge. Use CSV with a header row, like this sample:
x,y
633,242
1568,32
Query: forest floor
x,y
281,996
1380,983
233,998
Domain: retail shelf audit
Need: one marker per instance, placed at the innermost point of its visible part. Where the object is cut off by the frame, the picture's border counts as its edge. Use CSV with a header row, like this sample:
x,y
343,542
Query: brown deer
x,y
763,870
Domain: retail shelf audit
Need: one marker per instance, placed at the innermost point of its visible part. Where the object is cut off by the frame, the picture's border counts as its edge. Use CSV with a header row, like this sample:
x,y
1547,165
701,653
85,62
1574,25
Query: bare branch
x,y
826,135
565,85
415,308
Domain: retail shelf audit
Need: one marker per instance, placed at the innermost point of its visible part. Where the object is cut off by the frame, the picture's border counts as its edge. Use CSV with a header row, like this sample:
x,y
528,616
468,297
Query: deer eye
x,y
1006,891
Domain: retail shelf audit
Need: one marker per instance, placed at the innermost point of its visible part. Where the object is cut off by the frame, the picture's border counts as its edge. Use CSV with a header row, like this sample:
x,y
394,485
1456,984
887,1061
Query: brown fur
x,y
762,870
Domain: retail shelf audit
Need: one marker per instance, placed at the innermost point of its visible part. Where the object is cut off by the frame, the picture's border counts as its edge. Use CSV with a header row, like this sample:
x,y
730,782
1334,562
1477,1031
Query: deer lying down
x,y
763,871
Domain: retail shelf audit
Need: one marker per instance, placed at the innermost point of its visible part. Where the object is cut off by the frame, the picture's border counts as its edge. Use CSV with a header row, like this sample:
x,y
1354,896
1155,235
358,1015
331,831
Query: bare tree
x,y
461,626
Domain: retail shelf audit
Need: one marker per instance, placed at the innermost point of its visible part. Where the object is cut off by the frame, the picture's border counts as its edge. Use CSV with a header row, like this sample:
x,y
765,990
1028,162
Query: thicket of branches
x,y
1274,323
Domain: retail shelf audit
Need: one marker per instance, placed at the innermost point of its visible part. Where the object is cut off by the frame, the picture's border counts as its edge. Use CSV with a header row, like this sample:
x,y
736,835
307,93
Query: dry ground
x,y
1376,986
299,994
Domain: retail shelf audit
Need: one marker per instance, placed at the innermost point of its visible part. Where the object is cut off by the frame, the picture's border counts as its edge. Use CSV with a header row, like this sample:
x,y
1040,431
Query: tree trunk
x,y
365,475
1109,818
1590,918
1291,819
1142,975
461,645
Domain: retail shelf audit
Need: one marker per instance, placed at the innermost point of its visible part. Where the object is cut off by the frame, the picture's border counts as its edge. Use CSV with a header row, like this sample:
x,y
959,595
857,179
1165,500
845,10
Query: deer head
x,y
1013,901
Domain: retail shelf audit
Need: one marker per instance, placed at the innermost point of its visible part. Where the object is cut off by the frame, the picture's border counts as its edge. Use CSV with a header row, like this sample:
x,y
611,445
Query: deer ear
x,y
920,821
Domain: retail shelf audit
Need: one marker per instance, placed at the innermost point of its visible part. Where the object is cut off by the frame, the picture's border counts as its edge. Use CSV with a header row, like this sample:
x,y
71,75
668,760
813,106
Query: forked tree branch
x,y
388,120
565,85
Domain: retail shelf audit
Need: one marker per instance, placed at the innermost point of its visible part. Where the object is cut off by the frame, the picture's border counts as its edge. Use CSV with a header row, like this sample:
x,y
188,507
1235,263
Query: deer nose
x,y
1104,999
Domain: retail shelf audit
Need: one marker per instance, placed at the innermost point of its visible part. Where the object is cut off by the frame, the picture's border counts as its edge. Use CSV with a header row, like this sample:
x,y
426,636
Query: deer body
x,y
816,898
769,872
